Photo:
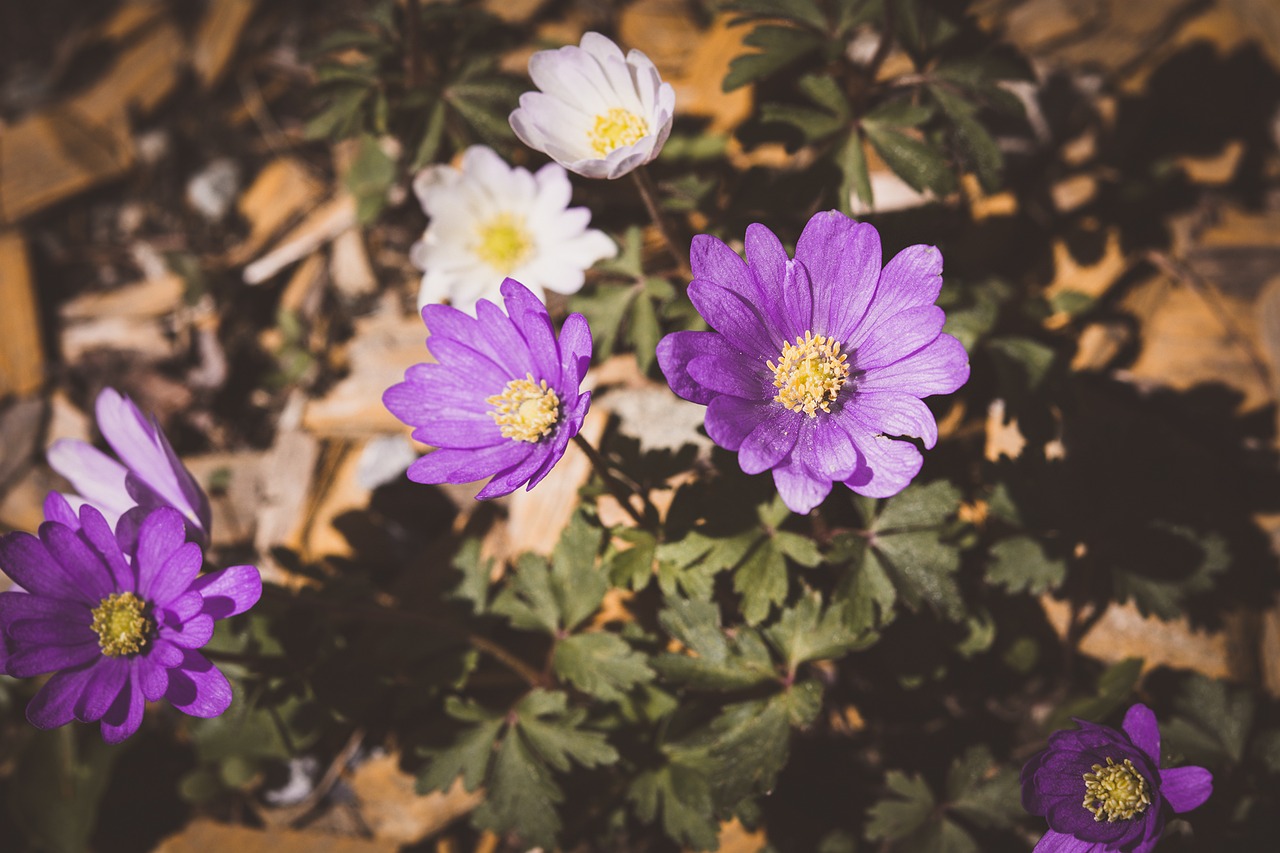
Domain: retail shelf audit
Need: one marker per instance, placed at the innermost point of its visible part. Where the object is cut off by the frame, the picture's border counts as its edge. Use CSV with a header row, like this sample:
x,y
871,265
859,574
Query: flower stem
x,y
413,53
616,487
649,194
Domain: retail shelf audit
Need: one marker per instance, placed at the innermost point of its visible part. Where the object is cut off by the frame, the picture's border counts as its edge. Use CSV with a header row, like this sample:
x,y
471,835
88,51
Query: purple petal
x,y
193,634
28,662
730,420
678,349
800,488
22,605
768,262
233,590
447,465
53,632
197,687
895,413
176,575
444,322
560,440
161,534
55,704
732,316
140,446
95,476
1185,788
534,324
1057,842
797,301
898,337
125,714
939,368
95,529
503,339
164,653
714,261
25,558
886,465
153,679
826,449
843,260
770,442
57,508
912,278
1141,727
81,565
104,685
740,377
575,350
182,608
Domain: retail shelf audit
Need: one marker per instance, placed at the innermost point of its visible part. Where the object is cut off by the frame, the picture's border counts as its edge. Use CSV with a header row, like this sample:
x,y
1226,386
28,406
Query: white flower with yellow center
x,y
599,113
490,221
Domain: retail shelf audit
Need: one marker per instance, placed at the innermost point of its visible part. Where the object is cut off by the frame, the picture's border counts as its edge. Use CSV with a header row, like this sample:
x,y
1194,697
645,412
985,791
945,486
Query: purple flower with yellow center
x,y
817,364
501,399
117,616
148,473
1102,790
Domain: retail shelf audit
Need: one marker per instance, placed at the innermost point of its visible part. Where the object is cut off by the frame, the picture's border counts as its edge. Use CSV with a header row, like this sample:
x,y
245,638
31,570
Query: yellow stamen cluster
x,y
616,128
810,373
121,624
1116,791
503,242
525,410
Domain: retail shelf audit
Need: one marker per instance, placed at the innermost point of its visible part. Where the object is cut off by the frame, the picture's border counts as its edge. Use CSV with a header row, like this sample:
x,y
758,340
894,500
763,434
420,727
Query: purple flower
x,y
151,474
502,399
1103,791
117,616
816,362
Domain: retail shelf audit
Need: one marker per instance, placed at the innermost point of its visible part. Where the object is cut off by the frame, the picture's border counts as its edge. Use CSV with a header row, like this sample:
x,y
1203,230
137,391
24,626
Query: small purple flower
x,y
1103,791
151,474
117,616
816,362
502,399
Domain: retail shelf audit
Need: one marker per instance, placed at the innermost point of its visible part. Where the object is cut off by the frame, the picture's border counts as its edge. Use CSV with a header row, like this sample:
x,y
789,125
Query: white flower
x,y
598,114
490,221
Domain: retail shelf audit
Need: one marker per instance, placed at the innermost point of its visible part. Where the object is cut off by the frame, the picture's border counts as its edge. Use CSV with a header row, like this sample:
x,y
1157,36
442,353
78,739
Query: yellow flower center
x,y
121,625
616,128
525,410
503,242
1116,791
810,373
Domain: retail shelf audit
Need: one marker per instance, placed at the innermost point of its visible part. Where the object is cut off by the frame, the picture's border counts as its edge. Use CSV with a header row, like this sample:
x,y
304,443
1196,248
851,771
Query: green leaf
x,y
1212,723
807,631
904,812
852,161
923,570
341,119
824,91
431,137
468,757
867,592
601,664
527,600
1030,360
718,662
577,584
1020,564
761,580
978,146
521,795
899,113
474,586
797,548
915,161
57,786
683,796
782,46
605,306
1114,687
643,332
632,567
370,177
918,507
1164,598
985,794
801,11
489,119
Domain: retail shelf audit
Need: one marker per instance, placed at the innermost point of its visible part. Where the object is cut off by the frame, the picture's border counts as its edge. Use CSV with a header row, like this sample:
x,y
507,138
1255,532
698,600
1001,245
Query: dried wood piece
x,y
393,809
283,190
202,835
349,265
321,225
153,297
21,350
216,39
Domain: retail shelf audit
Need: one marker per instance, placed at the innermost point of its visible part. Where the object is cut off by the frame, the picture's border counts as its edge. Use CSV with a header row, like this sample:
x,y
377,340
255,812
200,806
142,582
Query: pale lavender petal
x,y
730,420
134,440
95,476
575,350
161,534
459,430
105,682
1141,727
912,278
678,349
233,590
447,465
886,465
504,339
768,262
898,337
732,316
939,368
1185,788
797,300
197,687
843,260
38,660
125,714
770,442
54,705
896,413
801,489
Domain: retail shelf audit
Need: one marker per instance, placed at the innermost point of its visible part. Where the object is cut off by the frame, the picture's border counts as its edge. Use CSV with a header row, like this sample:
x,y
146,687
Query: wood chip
x,y
155,297
1003,436
349,265
321,225
216,38
203,835
283,190
21,349
393,809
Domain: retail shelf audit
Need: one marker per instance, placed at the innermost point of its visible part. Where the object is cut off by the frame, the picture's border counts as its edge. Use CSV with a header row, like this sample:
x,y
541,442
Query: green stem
x,y
616,487
649,194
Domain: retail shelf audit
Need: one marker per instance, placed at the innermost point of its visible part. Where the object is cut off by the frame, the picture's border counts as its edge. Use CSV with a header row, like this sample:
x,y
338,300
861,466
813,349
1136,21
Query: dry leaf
x,y
21,349
393,809
205,836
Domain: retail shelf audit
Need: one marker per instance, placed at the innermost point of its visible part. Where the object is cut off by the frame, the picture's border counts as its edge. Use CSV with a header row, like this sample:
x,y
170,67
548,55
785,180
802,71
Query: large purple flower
x,y
117,616
151,474
1103,791
816,362
502,399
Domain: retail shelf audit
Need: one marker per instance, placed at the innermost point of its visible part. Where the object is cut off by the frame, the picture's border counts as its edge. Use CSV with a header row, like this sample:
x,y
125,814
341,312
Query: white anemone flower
x,y
490,221
599,114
